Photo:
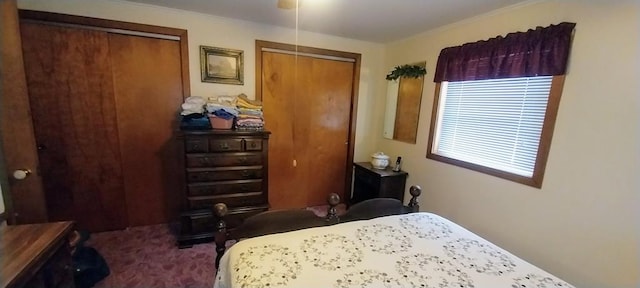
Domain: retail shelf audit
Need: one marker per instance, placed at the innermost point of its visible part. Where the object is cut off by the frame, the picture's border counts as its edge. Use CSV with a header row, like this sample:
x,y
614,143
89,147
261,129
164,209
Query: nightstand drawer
x,y
225,145
217,174
230,159
224,187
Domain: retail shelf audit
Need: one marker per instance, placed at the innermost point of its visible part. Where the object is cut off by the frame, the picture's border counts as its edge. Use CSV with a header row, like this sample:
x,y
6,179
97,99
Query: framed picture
x,y
220,65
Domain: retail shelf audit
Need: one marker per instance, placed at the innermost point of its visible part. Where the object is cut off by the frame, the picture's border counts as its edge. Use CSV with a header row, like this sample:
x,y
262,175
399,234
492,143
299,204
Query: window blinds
x,y
494,123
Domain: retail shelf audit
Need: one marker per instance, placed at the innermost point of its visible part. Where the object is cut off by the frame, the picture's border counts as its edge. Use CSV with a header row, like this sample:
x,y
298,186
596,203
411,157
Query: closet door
x,y
148,94
105,108
24,199
71,95
279,108
307,106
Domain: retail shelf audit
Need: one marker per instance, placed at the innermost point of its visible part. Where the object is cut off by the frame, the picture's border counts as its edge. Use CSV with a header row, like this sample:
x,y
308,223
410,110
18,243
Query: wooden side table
x,y
36,255
371,183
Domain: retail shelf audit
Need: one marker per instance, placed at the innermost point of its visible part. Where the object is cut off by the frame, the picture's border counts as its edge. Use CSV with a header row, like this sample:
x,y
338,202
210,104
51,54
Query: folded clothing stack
x,y
250,115
193,105
193,116
222,106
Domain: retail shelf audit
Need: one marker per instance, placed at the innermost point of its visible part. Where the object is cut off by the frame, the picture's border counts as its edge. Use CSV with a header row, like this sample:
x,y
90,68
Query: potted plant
x,y
408,71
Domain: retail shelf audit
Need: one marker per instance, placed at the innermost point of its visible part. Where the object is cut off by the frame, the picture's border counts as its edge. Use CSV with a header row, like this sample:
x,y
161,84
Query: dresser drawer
x,y
219,174
231,200
224,187
226,159
253,144
225,145
196,145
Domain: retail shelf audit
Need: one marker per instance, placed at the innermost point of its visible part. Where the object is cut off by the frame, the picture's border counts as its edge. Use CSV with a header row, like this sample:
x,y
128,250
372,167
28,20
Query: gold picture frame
x,y
221,65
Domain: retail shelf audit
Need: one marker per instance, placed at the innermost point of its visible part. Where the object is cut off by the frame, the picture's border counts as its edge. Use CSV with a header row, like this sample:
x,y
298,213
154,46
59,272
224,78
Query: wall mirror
x,y
402,109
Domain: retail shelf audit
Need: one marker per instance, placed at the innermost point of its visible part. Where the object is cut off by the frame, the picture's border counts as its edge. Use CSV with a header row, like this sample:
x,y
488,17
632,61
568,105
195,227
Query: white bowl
x,y
379,161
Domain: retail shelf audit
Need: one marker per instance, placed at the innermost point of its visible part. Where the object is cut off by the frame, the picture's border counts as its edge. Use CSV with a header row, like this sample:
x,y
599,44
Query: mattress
x,y
410,250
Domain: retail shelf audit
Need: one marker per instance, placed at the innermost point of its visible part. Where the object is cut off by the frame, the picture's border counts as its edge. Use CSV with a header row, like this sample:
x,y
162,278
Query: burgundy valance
x,y
539,52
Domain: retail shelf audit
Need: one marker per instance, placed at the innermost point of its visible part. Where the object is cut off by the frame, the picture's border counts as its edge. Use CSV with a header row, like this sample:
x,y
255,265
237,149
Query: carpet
x,y
147,256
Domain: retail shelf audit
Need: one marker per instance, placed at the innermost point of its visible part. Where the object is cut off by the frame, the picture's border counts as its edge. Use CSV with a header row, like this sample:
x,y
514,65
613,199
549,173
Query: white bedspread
x,y
412,250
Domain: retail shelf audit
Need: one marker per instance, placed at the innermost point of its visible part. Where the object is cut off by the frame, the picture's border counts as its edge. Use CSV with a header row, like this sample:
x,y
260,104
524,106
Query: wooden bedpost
x,y
333,200
415,191
220,210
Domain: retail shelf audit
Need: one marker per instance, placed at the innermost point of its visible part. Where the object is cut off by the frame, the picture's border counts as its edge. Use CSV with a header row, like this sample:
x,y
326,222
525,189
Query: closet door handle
x,y
21,174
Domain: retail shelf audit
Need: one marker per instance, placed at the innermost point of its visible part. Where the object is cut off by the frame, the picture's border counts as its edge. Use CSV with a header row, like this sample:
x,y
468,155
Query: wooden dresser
x,y
36,255
371,183
226,166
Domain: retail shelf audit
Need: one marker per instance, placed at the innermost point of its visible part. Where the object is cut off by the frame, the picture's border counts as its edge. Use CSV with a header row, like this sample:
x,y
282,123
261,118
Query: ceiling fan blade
x,y
289,4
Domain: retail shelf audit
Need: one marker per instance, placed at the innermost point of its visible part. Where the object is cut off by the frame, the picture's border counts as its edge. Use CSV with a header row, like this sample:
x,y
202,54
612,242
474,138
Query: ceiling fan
x,y
289,4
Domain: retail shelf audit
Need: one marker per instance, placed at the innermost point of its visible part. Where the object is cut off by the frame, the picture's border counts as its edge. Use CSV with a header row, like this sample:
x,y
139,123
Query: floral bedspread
x,y
412,250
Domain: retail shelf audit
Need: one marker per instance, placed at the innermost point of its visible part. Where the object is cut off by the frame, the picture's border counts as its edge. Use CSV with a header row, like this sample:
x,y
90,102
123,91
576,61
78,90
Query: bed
x,y
376,243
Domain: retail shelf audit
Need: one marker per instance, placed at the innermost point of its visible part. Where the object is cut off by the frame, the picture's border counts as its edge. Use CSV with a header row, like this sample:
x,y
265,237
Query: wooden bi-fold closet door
x,y
104,109
308,108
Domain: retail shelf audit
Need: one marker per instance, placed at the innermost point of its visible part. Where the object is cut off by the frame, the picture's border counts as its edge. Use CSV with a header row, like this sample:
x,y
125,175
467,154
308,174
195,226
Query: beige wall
x,y
584,224
228,33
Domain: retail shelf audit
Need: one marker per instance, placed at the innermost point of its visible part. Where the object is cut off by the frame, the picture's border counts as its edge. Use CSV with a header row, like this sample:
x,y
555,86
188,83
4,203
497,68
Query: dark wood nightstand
x,y
371,183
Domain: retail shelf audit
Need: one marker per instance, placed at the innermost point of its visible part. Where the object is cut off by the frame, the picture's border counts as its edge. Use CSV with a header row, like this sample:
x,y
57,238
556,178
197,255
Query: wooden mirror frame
x,y
403,108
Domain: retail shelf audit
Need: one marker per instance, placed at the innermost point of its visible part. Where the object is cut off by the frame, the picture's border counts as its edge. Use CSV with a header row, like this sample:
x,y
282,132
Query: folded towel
x,y
254,112
244,116
229,101
195,100
250,121
243,97
242,104
212,107
192,106
223,114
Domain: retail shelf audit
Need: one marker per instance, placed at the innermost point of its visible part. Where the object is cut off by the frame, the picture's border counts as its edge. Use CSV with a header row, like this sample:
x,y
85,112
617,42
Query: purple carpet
x,y
147,256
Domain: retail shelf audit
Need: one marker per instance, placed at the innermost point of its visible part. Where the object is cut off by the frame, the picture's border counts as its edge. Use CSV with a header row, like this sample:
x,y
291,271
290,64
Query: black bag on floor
x,y
89,267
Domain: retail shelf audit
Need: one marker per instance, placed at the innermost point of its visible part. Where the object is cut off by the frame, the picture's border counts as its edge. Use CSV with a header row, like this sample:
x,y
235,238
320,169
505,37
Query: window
x,y
500,127
496,102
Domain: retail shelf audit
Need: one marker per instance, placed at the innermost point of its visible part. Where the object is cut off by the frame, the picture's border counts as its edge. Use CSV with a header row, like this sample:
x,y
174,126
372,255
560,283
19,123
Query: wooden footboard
x,y
278,221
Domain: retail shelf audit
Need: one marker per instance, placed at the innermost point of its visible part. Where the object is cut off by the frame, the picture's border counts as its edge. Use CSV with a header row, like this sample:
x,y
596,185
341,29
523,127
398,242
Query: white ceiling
x,y
379,21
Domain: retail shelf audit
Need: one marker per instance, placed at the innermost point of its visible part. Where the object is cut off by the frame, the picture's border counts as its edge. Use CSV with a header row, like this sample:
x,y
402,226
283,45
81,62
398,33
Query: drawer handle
x,y
243,160
206,160
253,145
224,146
245,188
246,173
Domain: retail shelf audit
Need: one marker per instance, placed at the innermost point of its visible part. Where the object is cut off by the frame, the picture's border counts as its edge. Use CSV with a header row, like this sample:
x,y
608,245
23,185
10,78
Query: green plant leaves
x,y
409,71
